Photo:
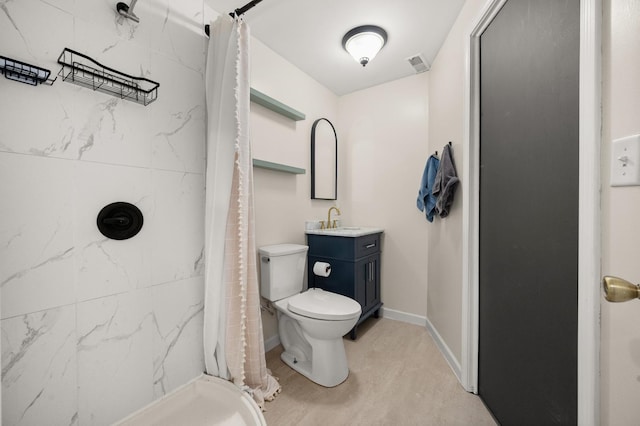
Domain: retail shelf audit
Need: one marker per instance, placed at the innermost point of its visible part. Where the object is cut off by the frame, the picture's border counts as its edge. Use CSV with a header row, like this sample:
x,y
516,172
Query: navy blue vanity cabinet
x,y
355,269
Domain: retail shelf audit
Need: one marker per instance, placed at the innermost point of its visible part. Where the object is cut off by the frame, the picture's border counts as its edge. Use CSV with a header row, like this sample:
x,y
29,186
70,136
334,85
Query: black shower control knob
x,y
120,220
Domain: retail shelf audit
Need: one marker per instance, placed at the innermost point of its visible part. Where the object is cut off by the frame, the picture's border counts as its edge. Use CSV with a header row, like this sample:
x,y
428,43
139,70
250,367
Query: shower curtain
x,y
233,340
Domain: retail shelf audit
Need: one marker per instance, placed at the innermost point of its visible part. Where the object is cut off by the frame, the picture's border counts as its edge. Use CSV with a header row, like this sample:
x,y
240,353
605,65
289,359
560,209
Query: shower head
x,y
127,11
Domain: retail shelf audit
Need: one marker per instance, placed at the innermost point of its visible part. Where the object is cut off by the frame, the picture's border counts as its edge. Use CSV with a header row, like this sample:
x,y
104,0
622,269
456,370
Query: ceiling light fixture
x,y
364,42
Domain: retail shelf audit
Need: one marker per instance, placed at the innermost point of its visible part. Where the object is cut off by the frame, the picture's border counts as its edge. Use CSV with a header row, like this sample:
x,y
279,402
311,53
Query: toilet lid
x,y
320,304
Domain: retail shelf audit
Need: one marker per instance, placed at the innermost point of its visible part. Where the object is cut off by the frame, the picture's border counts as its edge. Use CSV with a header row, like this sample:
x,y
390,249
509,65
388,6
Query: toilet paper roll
x,y
322,269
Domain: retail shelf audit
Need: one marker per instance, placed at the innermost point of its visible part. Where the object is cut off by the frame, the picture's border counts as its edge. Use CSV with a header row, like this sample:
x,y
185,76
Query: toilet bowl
x,y
310,323
313,346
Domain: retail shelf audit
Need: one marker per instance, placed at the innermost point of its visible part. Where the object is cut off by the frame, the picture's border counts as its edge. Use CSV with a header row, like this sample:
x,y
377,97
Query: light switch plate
x,y
625,161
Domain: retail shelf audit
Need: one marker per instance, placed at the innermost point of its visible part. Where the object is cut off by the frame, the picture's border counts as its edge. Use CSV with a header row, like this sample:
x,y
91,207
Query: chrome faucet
x,y
329,223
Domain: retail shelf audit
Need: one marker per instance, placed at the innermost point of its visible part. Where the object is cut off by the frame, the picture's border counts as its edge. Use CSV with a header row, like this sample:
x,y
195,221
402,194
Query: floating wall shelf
x,y
275,106
278,167
84,71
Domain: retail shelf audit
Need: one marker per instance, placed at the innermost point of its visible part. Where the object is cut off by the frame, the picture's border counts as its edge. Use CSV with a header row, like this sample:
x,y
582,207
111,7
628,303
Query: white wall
x,y
620,334
446,119
283,201
384,129
93,328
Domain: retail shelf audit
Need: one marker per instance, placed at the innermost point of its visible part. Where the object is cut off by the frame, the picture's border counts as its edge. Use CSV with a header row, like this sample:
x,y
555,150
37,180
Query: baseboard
x,y
403,317
424,322
444,349
271,343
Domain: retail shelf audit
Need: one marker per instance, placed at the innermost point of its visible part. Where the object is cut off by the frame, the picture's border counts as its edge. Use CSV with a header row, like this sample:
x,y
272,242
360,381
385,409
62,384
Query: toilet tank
x,y
282,270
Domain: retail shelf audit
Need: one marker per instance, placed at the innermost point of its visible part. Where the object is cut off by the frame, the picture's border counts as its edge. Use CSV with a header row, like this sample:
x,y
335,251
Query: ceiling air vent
x,y
418,63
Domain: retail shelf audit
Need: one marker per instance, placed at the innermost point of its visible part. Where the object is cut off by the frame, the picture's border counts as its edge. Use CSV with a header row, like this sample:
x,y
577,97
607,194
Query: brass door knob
x,y
619,290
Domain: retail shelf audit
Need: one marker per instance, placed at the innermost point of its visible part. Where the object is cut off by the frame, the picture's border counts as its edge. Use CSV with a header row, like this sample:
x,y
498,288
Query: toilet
x,y
310,323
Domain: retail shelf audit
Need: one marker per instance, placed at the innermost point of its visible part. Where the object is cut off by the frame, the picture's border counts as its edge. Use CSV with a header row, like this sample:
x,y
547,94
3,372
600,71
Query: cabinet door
x,y
367,288
362,269
372,287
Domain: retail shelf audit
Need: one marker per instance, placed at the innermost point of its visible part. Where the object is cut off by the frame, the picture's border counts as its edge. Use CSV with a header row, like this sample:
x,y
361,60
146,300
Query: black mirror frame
x,y
313,160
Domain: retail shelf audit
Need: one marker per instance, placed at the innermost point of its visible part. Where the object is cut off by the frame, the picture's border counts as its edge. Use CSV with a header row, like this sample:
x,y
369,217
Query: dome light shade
x,y
364,42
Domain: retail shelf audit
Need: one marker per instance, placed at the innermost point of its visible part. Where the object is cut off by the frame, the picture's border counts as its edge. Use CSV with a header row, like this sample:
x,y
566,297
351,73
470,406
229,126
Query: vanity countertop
x,y
346,231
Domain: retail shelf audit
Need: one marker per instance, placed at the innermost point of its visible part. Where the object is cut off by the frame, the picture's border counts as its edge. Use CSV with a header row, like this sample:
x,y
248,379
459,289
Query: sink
x,y
346,231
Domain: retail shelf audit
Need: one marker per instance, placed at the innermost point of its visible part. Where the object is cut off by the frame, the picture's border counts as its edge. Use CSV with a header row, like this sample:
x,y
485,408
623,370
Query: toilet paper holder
x,y
322,269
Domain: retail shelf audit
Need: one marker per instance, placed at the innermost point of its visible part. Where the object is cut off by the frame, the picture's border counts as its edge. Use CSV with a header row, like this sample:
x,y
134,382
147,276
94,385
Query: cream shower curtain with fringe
x,y
233,340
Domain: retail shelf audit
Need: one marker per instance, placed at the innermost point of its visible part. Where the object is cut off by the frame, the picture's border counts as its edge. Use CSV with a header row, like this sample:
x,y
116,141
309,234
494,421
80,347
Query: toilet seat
x,y
319,304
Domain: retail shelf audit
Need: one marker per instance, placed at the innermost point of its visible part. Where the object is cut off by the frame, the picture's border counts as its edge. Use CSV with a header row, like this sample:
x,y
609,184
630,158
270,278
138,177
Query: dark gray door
x,y
527,372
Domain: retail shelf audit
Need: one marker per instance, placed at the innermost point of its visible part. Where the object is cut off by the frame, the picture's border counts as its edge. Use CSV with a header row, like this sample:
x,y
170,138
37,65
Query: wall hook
x,y
127,11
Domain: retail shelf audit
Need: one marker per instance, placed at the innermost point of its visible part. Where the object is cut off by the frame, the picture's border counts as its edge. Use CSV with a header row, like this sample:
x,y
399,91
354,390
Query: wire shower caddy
x,y
82,70
24,73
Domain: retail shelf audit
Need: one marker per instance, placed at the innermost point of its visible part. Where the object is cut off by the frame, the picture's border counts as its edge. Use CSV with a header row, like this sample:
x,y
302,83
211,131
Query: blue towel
x,y
426,200
445,183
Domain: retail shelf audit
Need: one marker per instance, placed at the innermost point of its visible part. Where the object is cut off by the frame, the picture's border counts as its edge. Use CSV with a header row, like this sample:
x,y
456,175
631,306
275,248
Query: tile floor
x,y
397,377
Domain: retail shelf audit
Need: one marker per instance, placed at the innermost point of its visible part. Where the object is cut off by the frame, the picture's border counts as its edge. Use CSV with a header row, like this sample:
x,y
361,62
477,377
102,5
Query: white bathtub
x,y
205,401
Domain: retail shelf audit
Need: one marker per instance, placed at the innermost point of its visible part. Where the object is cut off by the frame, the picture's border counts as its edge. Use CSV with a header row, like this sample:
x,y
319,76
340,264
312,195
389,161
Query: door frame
x,y
589,244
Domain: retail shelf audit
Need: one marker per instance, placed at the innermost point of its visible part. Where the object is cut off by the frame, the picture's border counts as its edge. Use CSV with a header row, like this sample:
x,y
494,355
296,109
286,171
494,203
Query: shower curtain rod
x,y
239,11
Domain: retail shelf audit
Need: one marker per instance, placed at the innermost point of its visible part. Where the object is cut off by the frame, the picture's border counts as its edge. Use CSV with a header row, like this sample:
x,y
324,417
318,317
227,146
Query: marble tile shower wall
x,y
92,328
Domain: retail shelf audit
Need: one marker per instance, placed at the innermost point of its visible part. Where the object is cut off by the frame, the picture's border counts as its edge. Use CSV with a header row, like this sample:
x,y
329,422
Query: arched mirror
x,y
324,161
